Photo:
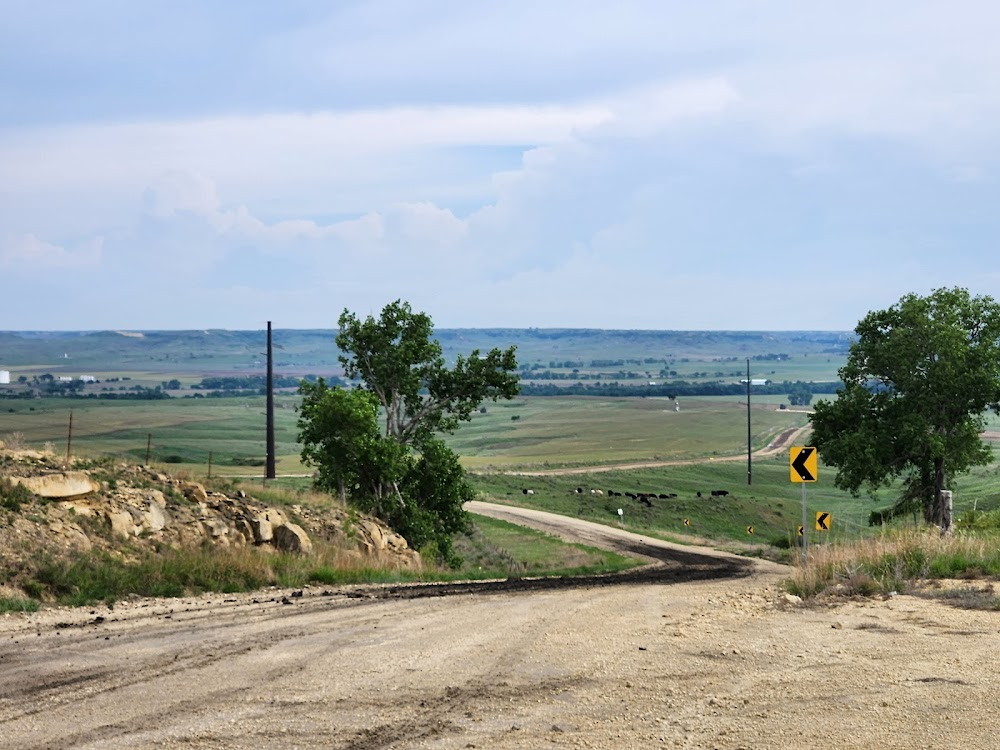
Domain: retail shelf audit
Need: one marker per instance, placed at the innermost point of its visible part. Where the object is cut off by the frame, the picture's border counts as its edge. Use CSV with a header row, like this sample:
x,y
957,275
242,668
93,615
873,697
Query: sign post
x,y
802,462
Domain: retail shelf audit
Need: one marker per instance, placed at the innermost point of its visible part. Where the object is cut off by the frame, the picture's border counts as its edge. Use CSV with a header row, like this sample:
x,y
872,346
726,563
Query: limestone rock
x,y
374,533
292,538
59,485
121,524
275,517
194,491
154,518
215,527
262,530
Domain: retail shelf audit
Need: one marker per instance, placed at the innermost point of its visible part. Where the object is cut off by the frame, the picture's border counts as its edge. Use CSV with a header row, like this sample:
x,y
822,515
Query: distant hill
x,y
298,350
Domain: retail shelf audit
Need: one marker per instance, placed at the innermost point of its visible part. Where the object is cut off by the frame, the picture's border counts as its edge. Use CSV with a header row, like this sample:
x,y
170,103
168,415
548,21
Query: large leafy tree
x,y
918,380
377,445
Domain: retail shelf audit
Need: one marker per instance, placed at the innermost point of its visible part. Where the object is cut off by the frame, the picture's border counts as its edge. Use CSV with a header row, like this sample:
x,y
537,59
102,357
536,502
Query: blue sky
x,y
664,165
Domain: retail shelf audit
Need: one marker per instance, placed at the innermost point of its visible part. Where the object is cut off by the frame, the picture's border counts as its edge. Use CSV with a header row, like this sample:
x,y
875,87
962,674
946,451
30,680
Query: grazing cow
x,y
720,493
630,495
645,501
664,496
528,492
579,490
672,494
698,494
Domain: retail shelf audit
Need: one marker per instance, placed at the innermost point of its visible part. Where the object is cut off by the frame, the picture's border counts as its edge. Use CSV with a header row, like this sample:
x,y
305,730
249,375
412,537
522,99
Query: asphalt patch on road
x,y
672,566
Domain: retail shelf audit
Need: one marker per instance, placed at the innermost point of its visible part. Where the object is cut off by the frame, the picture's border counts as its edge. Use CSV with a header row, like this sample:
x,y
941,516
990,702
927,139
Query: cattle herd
x,y
645,498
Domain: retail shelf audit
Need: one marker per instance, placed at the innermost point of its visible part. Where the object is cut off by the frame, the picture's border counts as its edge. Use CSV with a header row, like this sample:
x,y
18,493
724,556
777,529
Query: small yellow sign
x,y
687,521
803,463
823,521
749,529
801,531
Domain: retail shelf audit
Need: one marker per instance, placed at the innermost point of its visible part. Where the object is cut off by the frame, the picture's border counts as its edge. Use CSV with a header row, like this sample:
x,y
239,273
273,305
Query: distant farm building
x,y
755,381
4,377
88,378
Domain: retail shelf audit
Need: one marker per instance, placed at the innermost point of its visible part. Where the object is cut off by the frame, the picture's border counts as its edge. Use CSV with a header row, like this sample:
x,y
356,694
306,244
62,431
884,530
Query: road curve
x,y
664,554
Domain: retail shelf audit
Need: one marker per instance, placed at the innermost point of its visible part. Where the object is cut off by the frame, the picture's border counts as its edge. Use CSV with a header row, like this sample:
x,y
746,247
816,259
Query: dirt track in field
x,y
782,442
696,650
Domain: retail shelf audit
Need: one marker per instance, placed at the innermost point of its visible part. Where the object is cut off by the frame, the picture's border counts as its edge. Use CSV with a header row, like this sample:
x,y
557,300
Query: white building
x,y
4,377
88,378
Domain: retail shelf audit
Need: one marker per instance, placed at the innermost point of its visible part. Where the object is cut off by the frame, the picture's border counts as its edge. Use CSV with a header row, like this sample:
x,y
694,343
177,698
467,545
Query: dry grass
x,y
894,561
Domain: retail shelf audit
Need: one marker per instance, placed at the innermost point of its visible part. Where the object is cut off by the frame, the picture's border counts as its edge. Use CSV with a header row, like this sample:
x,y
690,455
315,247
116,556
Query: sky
x,y
754,165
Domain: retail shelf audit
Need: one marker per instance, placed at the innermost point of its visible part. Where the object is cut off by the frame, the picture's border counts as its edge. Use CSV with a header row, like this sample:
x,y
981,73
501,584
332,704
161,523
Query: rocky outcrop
x,y
148,507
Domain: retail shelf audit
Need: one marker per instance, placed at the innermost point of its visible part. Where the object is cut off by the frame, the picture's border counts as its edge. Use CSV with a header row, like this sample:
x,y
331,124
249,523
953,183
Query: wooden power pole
x,y
270,406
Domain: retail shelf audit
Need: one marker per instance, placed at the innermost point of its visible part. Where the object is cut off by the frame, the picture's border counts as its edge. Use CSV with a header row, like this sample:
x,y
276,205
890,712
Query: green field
x,y
563,431
232,429
536,433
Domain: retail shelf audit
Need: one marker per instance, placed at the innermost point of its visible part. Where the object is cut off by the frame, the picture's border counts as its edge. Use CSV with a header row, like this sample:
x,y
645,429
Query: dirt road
x,y
697,651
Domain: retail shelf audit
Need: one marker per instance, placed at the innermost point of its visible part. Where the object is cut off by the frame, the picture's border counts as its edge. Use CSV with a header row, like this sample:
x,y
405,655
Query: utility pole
x,y
270,474
749,460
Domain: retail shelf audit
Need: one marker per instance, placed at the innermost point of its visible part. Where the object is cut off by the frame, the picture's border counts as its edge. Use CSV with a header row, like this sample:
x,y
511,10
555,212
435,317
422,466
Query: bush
x,y
12,495
247,461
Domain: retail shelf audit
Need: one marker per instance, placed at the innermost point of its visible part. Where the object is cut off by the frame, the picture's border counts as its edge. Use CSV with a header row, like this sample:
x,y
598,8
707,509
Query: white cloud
x,y
31,253
495,162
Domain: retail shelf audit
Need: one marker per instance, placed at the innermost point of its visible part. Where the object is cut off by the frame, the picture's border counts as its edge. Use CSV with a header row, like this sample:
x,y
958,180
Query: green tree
x,y
800,395
340,433
917,382
400,471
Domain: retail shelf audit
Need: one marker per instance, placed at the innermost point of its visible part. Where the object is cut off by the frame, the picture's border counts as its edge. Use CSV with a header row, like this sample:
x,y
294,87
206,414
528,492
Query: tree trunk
x,y
938,516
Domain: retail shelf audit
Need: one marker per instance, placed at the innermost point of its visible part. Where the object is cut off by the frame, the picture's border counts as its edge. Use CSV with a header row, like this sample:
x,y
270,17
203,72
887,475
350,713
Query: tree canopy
x,y
918,380
377,444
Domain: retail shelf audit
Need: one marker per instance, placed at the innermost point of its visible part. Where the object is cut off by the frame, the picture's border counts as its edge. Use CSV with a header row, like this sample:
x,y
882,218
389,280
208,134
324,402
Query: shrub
x,y
12,495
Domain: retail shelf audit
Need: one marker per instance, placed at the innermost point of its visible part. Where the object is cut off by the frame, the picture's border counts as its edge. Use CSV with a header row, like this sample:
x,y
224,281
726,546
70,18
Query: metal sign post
x,y
805,532
802,462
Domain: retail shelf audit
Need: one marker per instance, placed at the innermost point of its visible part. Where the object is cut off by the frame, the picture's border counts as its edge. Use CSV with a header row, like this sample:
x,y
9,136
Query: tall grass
x,y
18,604
895,560
98,576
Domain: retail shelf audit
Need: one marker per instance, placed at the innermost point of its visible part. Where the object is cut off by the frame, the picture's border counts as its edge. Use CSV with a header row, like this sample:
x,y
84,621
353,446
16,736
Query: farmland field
x,y
526,434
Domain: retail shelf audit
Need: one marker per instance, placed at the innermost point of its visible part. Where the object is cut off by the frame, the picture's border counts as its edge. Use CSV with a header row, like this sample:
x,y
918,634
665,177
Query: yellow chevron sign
x,y
803,463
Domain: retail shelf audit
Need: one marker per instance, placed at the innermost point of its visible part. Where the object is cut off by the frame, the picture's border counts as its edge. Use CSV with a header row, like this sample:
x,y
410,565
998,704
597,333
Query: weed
x,y
14,441
13,495
18,604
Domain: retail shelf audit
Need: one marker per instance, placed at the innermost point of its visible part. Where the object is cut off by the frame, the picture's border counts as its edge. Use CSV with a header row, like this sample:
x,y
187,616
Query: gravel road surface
x,y
697,650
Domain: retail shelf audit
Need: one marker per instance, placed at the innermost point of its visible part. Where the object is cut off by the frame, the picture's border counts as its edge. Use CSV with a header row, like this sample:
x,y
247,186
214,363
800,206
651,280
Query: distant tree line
x,y
676,389
251,382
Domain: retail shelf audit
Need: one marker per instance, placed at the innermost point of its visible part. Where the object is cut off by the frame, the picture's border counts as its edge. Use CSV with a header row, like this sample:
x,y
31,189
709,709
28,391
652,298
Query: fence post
x,y
69,437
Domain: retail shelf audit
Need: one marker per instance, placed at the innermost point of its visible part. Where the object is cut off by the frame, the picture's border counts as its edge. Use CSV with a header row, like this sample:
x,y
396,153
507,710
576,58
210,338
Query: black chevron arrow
x,y
799,464
822,520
